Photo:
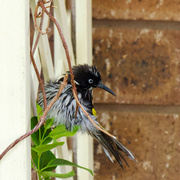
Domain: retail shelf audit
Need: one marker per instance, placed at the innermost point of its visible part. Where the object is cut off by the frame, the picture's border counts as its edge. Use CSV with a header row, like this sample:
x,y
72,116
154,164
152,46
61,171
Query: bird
x,y
64,111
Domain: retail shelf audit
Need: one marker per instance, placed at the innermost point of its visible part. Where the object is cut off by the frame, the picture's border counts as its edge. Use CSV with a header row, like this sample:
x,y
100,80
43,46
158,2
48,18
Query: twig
x,y
40,3
41,121
38,36
38,16
39,79
85,112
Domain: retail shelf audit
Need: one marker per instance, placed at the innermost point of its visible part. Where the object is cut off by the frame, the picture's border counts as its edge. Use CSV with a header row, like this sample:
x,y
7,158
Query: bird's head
x,y
88,77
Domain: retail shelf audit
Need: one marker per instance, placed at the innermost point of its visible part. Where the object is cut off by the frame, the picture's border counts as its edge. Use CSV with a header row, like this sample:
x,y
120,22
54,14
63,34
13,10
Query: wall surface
x,y
136,46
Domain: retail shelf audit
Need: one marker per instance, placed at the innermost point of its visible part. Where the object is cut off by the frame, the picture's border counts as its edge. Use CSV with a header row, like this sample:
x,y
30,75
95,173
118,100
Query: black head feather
x,y
86,77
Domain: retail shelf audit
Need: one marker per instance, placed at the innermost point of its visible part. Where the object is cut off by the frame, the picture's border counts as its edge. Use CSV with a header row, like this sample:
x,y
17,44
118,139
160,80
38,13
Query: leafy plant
x,y
45,139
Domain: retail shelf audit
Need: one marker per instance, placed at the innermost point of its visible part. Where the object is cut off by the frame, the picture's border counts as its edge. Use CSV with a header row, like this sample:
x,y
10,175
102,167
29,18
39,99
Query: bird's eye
x,y
90,81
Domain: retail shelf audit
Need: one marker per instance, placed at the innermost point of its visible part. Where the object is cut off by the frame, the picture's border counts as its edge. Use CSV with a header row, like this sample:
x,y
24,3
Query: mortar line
x,y
136,24
156,109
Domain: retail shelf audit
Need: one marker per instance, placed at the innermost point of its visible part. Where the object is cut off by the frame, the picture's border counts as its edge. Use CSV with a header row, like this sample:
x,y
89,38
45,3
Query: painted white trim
x,y
15,89
84,55
61,65
44,47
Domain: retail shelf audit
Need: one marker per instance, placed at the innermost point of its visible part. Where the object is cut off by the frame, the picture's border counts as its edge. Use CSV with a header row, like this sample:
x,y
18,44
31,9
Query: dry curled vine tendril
x,y
41,3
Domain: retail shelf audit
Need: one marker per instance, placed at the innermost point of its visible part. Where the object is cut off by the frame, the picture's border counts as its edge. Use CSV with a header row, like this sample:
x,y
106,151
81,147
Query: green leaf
x,y
46,174
47,140
35,157
46,147
62,162
46,129
35,136
61,131
48,124
46,157
39,111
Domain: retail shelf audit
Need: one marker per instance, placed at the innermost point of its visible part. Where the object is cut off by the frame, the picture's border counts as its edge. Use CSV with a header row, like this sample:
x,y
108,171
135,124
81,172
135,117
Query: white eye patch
x,y
90,81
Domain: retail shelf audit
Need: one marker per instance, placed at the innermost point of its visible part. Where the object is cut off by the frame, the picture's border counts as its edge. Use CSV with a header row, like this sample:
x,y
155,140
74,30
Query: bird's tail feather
x,y
114,147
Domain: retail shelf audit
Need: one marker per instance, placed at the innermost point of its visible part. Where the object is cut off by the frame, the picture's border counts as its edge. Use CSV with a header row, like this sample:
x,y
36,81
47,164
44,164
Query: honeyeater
x,y
64,109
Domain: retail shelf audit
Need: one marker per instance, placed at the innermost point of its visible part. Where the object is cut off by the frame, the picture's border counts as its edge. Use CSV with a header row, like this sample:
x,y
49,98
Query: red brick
x,y
140,65
133,10
153,138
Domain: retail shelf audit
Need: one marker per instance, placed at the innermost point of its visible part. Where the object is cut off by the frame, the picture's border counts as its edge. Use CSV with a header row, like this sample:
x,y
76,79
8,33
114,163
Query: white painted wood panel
x,y
15,89
84,55
61,66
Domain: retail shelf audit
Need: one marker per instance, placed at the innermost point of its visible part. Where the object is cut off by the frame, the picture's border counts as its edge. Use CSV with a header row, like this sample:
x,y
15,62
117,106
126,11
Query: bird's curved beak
x,y
102,86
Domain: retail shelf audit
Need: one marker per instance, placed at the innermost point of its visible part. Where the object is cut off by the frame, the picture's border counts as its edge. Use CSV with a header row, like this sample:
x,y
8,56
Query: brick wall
x,y
136,46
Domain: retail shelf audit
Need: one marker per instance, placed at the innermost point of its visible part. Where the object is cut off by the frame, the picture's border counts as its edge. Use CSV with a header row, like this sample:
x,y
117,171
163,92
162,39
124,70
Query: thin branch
x,y
41,121
61,87
38,36
39,79
90,119
40,3
40,14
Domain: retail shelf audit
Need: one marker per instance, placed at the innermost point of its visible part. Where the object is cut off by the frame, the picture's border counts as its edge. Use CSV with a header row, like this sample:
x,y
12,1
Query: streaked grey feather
x,y
64,109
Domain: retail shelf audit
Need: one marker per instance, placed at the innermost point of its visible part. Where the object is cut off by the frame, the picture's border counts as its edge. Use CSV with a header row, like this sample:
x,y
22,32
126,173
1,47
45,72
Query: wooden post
x,y
84,55
42,57
60,67
43,46
15,89
60,62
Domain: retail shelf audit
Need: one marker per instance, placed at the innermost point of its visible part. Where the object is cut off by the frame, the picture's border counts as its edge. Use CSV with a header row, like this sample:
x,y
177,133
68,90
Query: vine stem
x,y
90,119
39,79
38,36
41,4
41,121
61,87
44,10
